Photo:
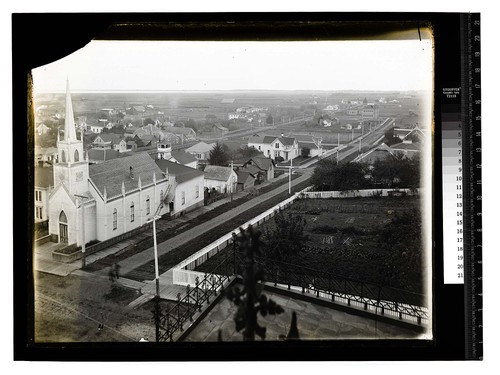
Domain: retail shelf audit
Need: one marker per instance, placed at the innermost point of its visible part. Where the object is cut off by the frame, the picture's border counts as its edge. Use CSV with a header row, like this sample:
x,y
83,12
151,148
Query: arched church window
x,y
132,214
148,206
63,156
115,219
161,196
62,217
77,156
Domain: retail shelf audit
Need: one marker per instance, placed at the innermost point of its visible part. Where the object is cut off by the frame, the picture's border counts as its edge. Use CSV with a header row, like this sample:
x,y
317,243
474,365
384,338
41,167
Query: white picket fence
x,y
364,193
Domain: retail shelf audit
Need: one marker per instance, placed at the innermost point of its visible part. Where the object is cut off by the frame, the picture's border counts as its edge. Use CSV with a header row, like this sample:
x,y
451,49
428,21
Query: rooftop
x,y
183,157
262,162
268,139
177,130
181,172
109,137
216,172
102,154
200,147
406,147
111,174
314,322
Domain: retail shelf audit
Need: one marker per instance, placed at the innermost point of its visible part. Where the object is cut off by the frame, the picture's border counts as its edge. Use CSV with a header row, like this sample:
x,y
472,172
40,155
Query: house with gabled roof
x,y
201,151
186,134
407,148
96,127
245,180
275,147
219,129
44,183
314,144
106,140
182,157
415,134
220,179
379,152
187,186
42,129
261,167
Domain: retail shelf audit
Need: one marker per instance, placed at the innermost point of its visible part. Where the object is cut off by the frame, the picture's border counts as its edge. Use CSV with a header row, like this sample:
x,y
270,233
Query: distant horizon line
x,y
220,90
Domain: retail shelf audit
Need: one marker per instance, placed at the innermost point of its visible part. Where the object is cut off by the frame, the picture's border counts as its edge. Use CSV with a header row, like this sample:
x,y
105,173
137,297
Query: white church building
x,y
105,200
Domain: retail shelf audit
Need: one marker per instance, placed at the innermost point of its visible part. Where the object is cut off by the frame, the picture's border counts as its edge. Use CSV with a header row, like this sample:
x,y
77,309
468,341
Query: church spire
x,y
69,123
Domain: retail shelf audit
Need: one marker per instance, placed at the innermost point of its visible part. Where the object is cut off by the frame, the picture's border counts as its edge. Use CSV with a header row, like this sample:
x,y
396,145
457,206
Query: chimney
x,y
131,172
282,134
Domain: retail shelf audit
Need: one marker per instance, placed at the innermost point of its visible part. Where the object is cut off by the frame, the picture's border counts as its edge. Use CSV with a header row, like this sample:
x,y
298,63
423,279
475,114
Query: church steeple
x,y
72,169
69,123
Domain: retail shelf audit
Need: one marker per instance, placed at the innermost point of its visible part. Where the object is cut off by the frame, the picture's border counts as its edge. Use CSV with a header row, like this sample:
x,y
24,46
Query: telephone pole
x,y
338,146
157,280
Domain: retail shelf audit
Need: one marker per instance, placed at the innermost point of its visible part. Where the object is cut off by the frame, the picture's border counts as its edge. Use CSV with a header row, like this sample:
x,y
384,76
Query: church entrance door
x,y
63,232
63,227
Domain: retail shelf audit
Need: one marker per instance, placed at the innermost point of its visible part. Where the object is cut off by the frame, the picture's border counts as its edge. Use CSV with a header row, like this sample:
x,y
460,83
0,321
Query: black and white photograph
x,y
223,191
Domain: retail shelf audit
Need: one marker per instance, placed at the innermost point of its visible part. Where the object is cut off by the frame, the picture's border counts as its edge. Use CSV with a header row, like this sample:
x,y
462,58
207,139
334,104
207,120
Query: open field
x,y
196,105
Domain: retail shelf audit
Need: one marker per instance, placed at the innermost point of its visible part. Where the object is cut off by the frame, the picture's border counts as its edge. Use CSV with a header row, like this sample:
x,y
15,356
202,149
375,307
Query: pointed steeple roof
x,y
69,123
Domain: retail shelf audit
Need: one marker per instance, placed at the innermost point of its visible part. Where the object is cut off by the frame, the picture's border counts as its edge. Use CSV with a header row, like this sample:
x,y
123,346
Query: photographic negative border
x,y
448,328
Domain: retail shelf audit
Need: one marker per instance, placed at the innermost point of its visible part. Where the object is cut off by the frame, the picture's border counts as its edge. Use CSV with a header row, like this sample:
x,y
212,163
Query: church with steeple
x,y
102,201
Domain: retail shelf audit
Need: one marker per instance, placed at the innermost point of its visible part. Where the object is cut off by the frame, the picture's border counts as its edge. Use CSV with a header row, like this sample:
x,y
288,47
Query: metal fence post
x,y
169,326
179,320
197,293
214,288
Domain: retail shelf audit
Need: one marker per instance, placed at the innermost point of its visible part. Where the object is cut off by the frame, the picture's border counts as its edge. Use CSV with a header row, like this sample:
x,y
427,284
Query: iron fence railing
x,y
196,297
378,299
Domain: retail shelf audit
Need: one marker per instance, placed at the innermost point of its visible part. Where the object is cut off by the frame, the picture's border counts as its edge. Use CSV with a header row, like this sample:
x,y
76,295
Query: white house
x,y
96,128
107,199
273,146
222,179
44,182
42,129
201,151
370,112
187,184
185,134
314,144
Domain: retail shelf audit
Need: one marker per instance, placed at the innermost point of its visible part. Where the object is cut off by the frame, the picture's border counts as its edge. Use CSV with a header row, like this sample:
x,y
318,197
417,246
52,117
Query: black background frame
x,y
58,35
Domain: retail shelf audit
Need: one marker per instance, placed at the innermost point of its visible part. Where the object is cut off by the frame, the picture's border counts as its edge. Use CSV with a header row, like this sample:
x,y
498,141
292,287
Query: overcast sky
x,y
165,66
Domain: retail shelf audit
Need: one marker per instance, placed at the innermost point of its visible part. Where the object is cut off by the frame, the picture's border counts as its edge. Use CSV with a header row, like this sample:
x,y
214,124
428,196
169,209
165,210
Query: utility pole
x,y
157,280
338,146
359,151
290,178
232,180
82,197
